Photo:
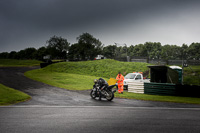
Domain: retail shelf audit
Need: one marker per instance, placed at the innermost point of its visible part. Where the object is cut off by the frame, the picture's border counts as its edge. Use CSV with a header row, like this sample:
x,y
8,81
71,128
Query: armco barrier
x,y
160,89
136,87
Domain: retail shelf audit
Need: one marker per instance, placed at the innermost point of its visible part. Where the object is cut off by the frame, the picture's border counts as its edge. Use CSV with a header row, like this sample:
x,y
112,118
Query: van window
x,y
138,77
130,76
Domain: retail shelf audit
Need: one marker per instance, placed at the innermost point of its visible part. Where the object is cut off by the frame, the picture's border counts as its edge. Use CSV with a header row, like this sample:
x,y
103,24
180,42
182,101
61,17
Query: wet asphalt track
x,y
53,109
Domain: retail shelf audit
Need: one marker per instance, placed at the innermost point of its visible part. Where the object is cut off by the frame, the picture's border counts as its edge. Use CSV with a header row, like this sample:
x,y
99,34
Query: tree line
x,y
88,47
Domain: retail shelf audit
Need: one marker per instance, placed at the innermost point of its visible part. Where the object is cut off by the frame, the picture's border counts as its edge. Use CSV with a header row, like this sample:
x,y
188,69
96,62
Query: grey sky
x,y
29,23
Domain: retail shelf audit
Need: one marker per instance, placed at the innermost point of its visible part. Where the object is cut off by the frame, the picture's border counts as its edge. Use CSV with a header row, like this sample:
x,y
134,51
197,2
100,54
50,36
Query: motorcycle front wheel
x,y
92,94
110,96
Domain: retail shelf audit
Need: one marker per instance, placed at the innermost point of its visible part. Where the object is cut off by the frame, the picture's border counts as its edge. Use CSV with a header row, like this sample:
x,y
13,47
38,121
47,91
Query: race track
x,y
53,109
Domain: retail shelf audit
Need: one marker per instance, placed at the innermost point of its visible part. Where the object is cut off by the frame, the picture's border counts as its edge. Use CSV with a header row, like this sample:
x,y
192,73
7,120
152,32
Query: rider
x,y
103,84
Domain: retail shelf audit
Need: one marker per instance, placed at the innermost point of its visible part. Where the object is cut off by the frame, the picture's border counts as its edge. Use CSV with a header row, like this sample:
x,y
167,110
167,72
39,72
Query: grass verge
x,y
175,99
11,96
14,63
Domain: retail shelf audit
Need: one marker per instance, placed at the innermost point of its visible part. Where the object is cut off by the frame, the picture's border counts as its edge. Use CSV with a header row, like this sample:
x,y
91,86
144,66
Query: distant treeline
x,y
88,47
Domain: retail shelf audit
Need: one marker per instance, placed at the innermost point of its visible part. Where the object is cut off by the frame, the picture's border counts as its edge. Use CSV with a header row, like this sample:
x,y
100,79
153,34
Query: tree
x,y
155,53
89,47
123,51
171,52
4,55
176,52
130,50
21,54
12,55
153,49
139,51
110,51
184,52
194,51
58,47
165,52
75,52
41,52
29,53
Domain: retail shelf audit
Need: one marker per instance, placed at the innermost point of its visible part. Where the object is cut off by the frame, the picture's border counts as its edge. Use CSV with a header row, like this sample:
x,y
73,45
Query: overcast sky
x,y
30,23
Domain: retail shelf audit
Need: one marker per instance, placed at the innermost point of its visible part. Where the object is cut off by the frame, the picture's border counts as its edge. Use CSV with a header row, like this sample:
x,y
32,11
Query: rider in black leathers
x,y
102,84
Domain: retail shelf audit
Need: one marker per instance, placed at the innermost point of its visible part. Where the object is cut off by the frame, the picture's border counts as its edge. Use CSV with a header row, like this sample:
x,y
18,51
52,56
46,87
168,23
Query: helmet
x,y
95,81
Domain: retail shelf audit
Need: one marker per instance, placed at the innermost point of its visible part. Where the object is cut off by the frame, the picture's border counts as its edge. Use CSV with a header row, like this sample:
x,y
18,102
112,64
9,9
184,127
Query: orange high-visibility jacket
x,y
120,79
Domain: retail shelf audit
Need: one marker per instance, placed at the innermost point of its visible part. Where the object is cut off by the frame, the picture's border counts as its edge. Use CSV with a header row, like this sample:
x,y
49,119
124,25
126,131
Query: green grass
x,y
13,62
62,80
80,76
190,77
11,96
147,97
100,68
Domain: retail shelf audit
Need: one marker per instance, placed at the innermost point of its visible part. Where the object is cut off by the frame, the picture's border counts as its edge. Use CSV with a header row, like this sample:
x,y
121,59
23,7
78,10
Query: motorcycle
x,y
102,90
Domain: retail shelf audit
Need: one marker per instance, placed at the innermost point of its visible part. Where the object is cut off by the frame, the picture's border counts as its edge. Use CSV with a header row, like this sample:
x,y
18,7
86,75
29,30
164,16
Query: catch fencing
x,y
158,61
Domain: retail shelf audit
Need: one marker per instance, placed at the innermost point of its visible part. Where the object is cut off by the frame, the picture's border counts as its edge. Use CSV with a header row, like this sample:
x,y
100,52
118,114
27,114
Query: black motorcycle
x,y
101,89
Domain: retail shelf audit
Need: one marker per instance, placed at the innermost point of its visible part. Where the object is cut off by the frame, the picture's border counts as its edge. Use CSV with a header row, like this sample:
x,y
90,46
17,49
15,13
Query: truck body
x,y
134,77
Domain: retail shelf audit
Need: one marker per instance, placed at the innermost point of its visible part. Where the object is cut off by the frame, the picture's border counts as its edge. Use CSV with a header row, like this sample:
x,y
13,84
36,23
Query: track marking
x,y
116,107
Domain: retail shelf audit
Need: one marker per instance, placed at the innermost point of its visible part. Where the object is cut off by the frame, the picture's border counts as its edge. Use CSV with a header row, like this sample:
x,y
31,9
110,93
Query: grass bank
x,y
14,63
146,97
80,75
100,68
11,96
62,80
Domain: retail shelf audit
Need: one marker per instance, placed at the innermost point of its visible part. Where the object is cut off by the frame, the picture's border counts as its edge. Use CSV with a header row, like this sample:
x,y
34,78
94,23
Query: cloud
x,y
30,23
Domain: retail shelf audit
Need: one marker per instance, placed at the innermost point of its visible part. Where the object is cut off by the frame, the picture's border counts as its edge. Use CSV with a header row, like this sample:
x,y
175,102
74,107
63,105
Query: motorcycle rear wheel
x,y
110,96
